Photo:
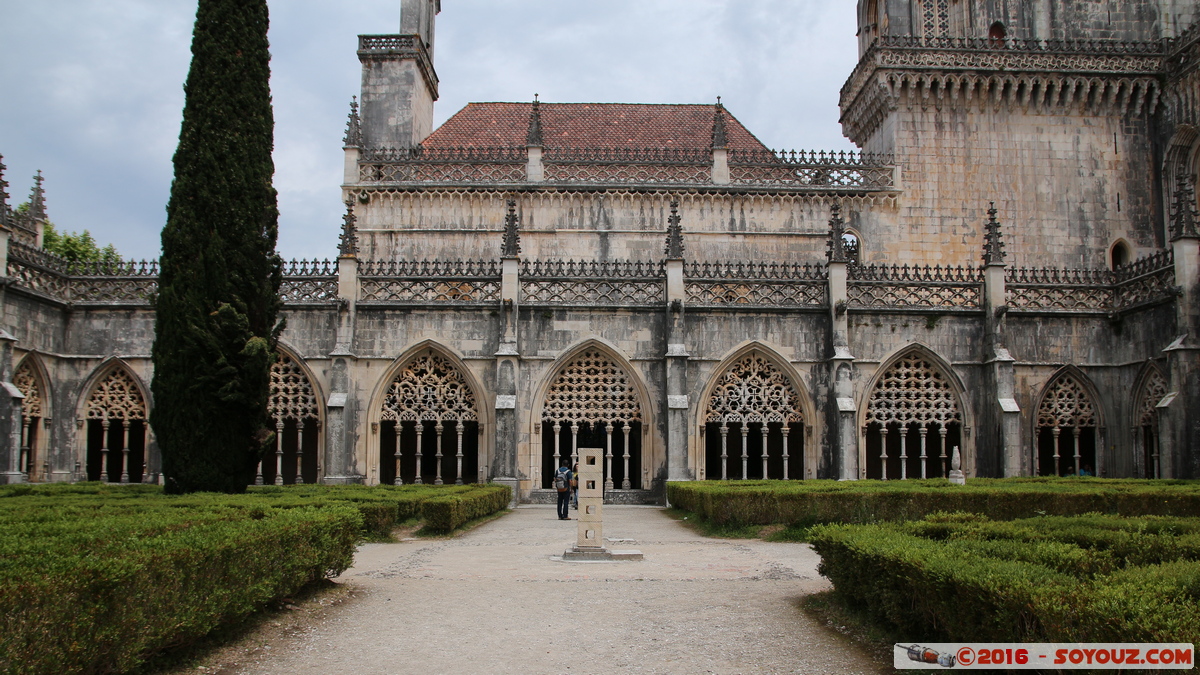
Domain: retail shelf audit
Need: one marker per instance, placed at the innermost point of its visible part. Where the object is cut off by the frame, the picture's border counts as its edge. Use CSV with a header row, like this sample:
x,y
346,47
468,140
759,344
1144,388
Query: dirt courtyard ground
x,y
499,599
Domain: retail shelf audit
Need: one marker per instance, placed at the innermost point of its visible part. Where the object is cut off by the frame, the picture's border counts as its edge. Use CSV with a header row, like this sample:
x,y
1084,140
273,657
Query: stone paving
x,y
499,600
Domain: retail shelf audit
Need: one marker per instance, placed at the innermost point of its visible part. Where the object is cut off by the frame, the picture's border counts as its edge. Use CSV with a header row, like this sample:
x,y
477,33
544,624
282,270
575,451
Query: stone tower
x,y
399,84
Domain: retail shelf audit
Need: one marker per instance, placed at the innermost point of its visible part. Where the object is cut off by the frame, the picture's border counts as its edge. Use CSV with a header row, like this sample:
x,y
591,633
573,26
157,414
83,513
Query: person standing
x,y
575,486
562,483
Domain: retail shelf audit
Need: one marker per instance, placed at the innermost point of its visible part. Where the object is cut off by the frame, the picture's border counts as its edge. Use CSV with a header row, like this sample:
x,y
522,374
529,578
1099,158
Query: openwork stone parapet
x,y
397,47
1146,281
1104,76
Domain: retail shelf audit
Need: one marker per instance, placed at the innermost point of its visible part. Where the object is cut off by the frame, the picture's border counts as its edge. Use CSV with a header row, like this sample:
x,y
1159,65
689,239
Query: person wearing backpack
x,y
562,483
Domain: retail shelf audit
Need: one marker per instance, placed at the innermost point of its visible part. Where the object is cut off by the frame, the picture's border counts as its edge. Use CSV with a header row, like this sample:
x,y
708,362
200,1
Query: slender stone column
x,y
396,455
104,451
458,427
903,452
626,484
764,449
437,479
608,480
124,450
883,433
724,451
924,432
745,449
420,451
787,473
279,452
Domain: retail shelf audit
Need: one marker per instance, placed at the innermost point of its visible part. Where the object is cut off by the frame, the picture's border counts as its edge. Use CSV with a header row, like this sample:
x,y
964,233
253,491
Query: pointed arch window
x,y
1154,389
757,402
913,406
591,400
29,384
117,433
428,405
293,407
1067,424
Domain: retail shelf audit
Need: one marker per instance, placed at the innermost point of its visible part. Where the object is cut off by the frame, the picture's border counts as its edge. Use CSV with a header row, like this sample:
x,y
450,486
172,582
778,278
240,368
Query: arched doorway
x,y
913,422
1145,430
117,433
592,404
293,407
429,426
29,383
1066,433
754,401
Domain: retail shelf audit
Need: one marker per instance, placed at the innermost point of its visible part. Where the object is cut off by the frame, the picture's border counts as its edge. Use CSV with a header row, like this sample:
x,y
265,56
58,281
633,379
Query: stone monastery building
x,y
1009,267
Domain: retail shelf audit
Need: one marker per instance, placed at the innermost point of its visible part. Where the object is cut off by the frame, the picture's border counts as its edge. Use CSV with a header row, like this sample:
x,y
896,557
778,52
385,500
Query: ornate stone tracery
x,y
1153,391
913,390
429,388
116,397
292,395
28,383
592,389
754,390
1066,404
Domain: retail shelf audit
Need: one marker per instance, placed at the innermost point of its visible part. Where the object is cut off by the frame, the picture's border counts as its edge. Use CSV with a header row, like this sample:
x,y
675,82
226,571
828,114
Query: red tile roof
x,y
591,125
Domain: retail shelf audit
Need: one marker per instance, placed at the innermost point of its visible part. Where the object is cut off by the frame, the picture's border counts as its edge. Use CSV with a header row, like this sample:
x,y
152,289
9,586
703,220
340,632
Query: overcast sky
x,y
91,90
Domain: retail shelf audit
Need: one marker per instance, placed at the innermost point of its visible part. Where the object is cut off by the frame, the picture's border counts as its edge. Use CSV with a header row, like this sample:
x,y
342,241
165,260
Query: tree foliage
x,y
76,247
217,304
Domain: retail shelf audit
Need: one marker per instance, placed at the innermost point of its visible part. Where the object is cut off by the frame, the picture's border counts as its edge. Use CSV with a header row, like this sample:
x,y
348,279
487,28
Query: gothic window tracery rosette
x,y
292,395
429,388
28,384
116,397
754,390
592,389
1153,391
912,390
1066,404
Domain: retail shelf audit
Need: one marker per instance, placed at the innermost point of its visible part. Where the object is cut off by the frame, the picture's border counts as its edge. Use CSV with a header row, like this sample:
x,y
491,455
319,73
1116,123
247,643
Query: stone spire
x,y
674,248
3,195
348,241
1183,211
37,198
993,241
354,136
533,138
511,246
836,246
718,128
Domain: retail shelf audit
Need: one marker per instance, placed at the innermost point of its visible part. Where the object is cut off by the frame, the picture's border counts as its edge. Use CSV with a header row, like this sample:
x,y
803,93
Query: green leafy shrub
x,y
802,503
1093,578
445,513
95,589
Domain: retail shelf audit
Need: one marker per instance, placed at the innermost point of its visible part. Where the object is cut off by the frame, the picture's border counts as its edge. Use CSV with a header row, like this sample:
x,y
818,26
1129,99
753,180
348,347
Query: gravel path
x,y
496,600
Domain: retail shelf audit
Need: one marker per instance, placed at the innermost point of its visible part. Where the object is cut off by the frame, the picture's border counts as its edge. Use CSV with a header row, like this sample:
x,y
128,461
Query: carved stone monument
x,y
590,542
956,474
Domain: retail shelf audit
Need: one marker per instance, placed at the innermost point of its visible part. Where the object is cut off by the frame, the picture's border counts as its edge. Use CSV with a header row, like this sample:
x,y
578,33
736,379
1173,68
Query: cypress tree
x,y
217,303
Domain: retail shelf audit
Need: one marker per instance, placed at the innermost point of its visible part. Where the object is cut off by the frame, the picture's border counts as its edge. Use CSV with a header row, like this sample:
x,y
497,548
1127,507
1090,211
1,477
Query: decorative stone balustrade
x,y
440,282
902,286
1148,280
593,284
803,170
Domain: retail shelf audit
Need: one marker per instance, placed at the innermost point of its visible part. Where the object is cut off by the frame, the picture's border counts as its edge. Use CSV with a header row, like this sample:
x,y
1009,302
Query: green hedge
x,y
95,577
1090,579
737,503
95,589
445,513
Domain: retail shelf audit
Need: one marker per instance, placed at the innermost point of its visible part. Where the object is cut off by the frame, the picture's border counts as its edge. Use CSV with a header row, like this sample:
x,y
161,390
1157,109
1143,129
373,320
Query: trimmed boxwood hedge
x,y
757,502
95,577
1094,578
95,589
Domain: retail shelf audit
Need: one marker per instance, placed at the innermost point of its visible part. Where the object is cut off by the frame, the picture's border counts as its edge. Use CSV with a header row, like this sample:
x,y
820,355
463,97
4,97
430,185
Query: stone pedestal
x,y
589,545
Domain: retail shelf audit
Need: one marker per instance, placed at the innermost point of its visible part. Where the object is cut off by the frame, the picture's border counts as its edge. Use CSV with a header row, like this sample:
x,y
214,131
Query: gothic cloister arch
x,y
731,397
32,379
572,394
295,407
112,422
1151,388
914,390
1068,402
431,410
